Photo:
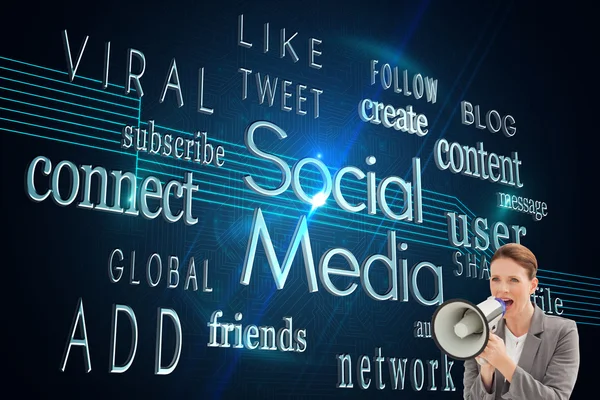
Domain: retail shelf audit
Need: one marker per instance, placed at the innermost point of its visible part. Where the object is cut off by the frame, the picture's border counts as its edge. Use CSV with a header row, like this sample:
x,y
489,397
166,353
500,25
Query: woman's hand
x,y
496,355
495,351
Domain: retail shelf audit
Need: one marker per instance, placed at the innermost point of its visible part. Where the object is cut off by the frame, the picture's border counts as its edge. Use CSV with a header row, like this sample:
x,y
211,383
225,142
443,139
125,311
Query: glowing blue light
x,y
318,200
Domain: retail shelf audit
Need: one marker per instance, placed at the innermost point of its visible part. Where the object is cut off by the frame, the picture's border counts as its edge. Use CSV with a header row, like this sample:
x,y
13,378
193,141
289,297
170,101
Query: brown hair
x,y
519,254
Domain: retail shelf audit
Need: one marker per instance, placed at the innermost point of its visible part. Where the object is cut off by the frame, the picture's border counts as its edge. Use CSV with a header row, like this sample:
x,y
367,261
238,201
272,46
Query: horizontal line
x,y
67,82
452,197
566,273
304,204
60,120
68,102
580,316
63,141
581,302
293,208
59,130
567,280
63,111
57,71
569,287
578,295
321,221
347,188
587,323
580,309
69,93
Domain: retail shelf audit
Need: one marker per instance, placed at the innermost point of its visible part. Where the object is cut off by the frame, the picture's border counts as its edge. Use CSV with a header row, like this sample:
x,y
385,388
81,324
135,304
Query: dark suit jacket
x,y
547,369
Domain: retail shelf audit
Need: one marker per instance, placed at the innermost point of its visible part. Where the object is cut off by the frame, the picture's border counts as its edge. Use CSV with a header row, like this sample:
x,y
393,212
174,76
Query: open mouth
x,y
508,303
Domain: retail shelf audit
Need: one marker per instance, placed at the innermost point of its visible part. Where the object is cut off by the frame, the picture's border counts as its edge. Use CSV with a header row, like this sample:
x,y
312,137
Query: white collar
x,y
517,340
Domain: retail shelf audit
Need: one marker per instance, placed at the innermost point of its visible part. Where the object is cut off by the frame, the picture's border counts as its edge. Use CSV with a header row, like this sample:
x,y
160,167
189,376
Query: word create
x,y
494,122
399,119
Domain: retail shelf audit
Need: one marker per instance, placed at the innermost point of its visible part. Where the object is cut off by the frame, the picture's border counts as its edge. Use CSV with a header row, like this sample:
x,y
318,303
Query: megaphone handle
x,y
481,361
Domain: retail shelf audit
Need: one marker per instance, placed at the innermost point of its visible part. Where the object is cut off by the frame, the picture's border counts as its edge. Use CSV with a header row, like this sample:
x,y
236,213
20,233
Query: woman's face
x,y
510,282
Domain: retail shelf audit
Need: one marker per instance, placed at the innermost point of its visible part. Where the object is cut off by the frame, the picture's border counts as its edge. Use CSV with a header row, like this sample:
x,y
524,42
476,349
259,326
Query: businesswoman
x,y
532,355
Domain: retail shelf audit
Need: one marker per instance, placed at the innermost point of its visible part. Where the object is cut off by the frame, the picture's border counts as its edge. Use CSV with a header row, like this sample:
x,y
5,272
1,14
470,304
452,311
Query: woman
x,y
532,355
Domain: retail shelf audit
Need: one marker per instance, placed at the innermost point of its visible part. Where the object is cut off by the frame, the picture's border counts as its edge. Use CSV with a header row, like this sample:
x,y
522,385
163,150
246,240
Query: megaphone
x,y
462,329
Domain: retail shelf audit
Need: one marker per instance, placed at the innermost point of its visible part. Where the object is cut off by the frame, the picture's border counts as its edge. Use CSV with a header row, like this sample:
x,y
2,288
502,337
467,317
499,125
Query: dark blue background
x,y
530,62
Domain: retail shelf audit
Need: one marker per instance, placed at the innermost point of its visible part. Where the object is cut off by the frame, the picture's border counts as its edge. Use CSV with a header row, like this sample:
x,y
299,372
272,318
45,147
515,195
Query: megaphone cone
x,y
462,329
